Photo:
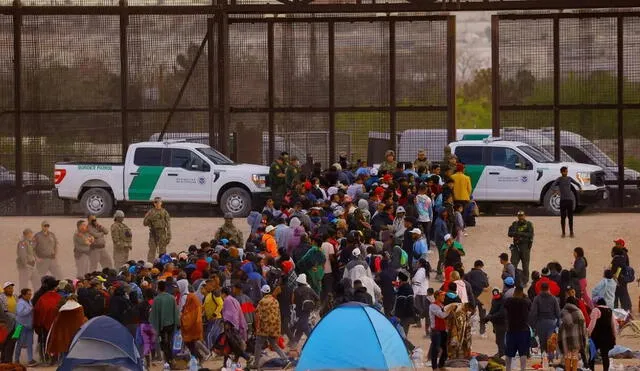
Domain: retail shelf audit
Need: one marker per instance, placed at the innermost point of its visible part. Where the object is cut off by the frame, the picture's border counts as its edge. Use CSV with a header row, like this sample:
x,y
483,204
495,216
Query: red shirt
x,y
441,323
554,289
46,310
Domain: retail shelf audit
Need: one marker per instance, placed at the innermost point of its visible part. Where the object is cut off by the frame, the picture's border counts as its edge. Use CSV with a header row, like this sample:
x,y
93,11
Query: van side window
x,y
148,157
577,155
507,157
469,155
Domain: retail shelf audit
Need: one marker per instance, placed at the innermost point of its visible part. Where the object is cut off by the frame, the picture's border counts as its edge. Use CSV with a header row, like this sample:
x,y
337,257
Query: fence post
x,y
17,101
451,78
223,80
214,141
620,77
124,76
270,91
495,75
556,88
332,93
393,117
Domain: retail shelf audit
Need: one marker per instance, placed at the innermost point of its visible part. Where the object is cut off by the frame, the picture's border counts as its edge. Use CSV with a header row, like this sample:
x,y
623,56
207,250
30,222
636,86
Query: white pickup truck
x,y
508,171
177,171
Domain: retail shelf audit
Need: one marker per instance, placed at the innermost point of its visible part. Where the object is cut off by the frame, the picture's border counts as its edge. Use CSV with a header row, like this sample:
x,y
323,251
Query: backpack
x,y
404,259
627,275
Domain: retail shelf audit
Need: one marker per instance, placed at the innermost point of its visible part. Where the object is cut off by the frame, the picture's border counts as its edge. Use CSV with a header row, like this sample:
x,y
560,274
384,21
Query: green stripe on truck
x,y
474,172
144,183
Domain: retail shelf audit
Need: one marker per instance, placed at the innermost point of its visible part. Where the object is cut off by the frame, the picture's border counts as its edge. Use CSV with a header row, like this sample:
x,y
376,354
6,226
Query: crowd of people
x,y
350,233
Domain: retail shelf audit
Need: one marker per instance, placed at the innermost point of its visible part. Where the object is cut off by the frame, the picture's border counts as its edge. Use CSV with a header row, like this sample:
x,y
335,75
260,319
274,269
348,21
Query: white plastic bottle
x,y
193,364
166,367
473,364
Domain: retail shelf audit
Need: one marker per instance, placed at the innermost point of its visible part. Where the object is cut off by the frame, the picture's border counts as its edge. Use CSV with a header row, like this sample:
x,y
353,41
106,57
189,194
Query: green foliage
x,y
632,162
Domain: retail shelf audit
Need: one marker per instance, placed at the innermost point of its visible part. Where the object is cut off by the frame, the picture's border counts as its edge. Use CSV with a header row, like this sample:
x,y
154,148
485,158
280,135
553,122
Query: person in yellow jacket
x,y
461,186
213,306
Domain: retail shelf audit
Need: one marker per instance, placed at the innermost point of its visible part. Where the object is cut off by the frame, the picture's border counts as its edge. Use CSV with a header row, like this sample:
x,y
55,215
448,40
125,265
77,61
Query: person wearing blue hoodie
x,y
254,282
24,317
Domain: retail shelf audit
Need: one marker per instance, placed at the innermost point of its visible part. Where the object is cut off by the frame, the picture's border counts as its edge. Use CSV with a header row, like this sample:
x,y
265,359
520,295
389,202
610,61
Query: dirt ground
x,y
486,241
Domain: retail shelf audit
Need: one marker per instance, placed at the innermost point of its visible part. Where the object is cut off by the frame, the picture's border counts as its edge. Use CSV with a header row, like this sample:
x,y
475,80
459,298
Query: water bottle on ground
x,y
473,364
166,367
193,364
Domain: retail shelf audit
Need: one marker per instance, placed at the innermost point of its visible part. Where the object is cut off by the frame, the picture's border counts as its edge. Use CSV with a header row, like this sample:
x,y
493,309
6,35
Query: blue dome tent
x,y
354,336
102,342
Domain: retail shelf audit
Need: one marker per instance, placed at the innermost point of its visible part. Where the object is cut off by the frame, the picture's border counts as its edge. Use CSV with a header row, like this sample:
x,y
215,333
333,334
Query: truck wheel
x,y
236,201
97,201
552,202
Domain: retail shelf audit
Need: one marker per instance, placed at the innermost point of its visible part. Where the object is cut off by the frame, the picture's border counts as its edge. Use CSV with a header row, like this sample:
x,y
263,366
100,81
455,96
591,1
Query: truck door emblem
x,y
524,179
202,180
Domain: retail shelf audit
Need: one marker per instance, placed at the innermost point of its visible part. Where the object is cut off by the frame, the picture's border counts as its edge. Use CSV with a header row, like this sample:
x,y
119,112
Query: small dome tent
x,y
354,336
102,343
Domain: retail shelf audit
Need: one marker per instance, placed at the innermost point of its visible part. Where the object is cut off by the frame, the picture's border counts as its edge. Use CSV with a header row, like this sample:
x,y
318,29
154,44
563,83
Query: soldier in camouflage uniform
x,y
82,241
278,178
421,161
389,163
99,252
293,172
121,236
27,275
229,231
158,221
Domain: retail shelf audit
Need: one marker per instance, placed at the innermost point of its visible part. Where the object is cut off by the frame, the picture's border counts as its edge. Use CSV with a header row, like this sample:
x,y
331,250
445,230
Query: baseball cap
x,y
619,241
373,172
228,216
520,213
355,252
448,236
416,231
265,289
101,279
509,281
7,284
44,223
400,209
269,228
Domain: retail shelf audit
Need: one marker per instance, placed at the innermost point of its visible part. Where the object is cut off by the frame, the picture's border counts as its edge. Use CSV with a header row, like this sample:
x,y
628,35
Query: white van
x,y
584,150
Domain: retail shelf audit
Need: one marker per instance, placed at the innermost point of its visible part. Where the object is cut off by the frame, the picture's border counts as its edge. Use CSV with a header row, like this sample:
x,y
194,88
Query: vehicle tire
x,y
236,201
97,201
552,202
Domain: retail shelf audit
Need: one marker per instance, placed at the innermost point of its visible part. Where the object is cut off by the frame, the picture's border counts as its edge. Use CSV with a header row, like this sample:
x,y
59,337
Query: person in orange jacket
x,y
269,241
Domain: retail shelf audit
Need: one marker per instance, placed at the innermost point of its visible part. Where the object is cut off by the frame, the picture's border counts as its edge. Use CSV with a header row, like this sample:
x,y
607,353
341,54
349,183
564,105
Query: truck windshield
x,y
536,154
215,156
